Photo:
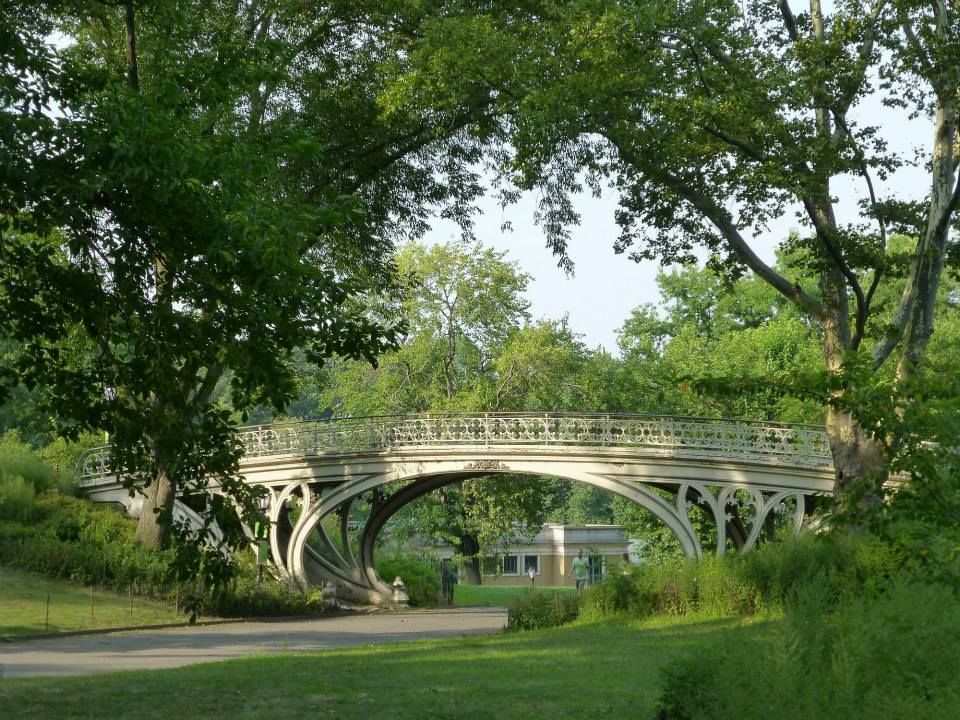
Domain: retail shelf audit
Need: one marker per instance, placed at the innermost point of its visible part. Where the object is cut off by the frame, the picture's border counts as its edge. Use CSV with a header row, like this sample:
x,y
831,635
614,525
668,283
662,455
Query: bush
x,y
535,609
18,460
847,565
891,655
244,597
763,580
16,498
710,586
78,540
51,467
421,576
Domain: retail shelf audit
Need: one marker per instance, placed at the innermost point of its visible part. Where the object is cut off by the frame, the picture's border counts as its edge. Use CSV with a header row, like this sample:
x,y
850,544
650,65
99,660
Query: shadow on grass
x,y
582,671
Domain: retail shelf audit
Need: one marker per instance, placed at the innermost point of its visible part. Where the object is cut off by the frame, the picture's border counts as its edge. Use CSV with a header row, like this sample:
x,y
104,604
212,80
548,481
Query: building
x,y
549,554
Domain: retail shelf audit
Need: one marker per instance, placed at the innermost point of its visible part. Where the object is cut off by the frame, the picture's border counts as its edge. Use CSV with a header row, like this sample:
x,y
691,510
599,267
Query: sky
x,y
605,286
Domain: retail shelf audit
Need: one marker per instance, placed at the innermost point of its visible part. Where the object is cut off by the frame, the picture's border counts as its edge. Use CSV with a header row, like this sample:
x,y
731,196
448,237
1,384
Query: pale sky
x,y
606,286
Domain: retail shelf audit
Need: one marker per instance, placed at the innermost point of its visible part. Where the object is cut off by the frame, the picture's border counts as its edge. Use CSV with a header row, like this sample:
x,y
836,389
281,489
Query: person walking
x,y
581,570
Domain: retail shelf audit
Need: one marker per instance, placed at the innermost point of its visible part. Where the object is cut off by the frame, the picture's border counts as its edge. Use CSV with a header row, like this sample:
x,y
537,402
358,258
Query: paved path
x,y
173,647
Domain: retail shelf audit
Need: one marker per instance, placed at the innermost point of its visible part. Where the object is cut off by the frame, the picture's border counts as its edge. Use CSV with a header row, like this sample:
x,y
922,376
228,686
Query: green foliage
x,y
16,498
587,504
420,575
26,473
705,587
173,231
245,597
766,579
74,539
848,565
93,544
725,348
888,655
536,609
18,460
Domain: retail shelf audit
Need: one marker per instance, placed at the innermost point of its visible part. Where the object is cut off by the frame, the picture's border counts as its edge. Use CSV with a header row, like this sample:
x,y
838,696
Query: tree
x,y
713,118
469,347
188,194
732,349
465,296
539,368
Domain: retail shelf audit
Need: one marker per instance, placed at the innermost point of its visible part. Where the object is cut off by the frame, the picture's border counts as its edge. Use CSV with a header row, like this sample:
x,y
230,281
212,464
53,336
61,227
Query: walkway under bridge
x,y
742,475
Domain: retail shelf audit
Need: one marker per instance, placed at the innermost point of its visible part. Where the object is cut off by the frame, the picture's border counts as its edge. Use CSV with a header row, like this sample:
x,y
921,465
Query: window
x,y
531,562
503,565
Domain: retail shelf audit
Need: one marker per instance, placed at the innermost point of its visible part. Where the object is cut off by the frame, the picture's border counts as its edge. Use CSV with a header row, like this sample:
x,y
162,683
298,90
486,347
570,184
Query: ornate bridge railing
x,y
799,445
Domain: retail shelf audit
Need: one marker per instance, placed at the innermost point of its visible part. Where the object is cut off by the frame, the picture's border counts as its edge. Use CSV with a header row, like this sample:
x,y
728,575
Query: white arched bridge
x,y
743,475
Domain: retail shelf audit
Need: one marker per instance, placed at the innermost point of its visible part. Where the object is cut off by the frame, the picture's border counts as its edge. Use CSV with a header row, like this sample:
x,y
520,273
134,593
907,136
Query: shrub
x,y
710,586
421,576
18,459
62,456
737,584
535,609
845,565
889,655
244,597
75,539
16,498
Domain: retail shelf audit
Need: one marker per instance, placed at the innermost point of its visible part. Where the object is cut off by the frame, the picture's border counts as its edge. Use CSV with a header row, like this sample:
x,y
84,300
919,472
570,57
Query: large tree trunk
x,y
156,512
470,549
856,456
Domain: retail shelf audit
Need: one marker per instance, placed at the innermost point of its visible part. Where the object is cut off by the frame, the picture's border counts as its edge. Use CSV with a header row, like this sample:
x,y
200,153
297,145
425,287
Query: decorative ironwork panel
x,y
801,445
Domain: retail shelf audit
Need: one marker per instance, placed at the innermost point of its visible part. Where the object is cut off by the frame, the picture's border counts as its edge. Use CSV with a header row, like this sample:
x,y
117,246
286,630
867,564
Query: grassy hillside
x,y
32,603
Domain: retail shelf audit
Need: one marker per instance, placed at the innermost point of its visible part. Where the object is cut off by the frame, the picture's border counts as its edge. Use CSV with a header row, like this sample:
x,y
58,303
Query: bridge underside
x,y
312,542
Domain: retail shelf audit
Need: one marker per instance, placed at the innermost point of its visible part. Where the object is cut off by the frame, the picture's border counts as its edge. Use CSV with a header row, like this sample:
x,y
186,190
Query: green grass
x,y
587,670
24,611
490,596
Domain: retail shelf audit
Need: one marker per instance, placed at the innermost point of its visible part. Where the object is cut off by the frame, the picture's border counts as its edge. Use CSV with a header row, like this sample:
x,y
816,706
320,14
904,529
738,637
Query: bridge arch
x,y
354,572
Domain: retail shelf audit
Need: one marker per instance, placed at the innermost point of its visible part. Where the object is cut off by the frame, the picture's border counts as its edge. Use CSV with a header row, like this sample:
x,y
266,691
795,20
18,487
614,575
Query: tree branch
x,y
722,220
825,225
129,20
928,258
789,21
207,386
751,150
915,44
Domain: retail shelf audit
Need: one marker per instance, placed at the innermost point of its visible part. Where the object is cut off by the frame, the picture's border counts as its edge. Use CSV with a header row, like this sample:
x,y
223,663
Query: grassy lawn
x,y
588,670
23,606
490,596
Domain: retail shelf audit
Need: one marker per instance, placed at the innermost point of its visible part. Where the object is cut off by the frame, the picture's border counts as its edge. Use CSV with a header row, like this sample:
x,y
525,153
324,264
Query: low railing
x,y
793,444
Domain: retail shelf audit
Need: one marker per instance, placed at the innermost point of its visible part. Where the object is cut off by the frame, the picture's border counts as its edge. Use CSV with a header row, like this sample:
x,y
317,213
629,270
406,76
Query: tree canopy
x,y
189,193
712,119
